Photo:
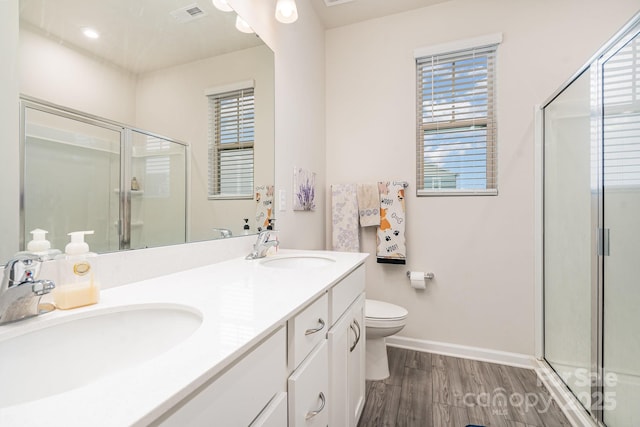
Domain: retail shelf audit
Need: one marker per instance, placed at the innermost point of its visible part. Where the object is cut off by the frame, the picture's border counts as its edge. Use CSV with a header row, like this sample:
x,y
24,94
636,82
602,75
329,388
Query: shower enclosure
x,y
592,232
81,172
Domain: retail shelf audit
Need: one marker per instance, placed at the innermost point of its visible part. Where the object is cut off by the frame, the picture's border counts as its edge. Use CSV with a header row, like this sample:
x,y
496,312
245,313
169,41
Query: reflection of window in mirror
x,y
157,168
231,141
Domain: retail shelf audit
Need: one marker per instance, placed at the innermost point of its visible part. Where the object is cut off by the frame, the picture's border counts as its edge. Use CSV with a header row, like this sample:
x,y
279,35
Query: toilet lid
x,y
374,309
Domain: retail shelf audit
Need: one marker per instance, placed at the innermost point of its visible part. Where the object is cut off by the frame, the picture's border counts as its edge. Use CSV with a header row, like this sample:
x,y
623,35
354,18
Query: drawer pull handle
x,y
313,331
312,414
355,342
357,334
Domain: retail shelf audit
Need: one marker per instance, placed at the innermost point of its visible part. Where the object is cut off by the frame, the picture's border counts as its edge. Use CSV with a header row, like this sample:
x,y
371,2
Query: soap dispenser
x,y
77,284
245,228
40,246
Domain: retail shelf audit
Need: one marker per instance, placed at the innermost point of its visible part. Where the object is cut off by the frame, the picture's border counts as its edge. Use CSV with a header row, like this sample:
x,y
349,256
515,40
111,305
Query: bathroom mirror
x,y
152,67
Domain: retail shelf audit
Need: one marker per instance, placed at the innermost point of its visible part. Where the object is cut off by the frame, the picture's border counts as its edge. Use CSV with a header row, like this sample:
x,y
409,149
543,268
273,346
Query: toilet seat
x,y
379,310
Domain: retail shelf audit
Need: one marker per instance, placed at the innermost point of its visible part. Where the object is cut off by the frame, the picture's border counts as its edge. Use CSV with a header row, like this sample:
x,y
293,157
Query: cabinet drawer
x,y
275,414
308,329
345,292
308,388
237,396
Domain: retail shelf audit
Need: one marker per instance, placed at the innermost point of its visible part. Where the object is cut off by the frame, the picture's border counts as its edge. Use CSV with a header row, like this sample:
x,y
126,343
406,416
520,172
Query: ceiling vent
x,y
188,13
336,2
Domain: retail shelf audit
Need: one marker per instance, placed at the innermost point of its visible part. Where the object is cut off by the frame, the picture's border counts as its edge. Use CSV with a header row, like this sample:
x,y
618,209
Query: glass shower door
x,y
569,197
71,178
158,191
621,178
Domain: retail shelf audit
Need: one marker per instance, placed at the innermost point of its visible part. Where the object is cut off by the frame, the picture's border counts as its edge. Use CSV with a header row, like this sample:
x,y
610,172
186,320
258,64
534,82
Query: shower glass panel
x,y
621,161
71,168
569,199
158,191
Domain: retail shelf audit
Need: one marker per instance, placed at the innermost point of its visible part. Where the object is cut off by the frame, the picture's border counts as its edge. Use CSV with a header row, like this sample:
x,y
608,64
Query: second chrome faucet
x,y
262,245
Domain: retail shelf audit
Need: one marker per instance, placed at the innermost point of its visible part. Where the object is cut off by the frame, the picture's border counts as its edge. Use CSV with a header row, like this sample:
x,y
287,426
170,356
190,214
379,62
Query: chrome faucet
x,y
20,292
224,232
262,245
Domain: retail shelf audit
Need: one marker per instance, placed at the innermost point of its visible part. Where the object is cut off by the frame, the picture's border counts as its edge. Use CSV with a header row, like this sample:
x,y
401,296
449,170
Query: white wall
x,y
300,112
65,76
481,249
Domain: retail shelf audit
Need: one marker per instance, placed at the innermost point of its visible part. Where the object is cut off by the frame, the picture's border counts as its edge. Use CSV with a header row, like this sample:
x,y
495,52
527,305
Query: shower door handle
x,y
603,242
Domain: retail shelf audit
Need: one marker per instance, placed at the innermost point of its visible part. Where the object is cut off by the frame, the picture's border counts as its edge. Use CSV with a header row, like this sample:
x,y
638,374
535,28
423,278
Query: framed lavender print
x,y
304,190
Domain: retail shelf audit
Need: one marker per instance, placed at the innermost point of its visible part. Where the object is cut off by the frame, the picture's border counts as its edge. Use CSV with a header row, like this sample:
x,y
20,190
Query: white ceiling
x,y
361,10
140,35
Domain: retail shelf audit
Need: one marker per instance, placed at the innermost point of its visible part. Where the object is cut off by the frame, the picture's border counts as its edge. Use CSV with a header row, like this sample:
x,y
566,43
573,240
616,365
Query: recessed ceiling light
x,y
90,33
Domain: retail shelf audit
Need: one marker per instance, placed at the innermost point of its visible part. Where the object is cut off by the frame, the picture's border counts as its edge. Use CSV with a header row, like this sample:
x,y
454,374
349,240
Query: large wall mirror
x,y
159,67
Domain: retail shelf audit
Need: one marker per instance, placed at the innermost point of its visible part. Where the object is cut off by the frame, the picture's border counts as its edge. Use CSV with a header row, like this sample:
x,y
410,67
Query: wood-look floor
x,y
431,390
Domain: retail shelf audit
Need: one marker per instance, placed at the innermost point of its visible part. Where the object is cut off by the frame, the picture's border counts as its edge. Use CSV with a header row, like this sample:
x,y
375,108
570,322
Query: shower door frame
x,y
126,151
599,248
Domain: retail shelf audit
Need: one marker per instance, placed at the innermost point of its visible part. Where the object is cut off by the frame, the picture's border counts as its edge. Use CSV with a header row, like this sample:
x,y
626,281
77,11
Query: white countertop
x,y
241,303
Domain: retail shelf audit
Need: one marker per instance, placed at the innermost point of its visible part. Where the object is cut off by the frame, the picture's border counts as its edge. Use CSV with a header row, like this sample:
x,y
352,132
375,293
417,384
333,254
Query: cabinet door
x,y
340,339
356,362
309,391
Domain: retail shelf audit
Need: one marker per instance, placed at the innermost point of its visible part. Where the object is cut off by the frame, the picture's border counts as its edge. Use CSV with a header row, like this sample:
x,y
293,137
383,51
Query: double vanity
x,y
275,341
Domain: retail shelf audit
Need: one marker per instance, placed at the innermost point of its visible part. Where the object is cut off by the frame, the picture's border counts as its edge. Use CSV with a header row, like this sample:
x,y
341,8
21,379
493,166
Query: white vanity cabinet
x,y
346,340
249,389
307,374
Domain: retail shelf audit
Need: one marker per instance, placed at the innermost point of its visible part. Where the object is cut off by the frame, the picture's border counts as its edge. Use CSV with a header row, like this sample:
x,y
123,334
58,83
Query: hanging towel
x,y
391,246
344,215
264,206
368,205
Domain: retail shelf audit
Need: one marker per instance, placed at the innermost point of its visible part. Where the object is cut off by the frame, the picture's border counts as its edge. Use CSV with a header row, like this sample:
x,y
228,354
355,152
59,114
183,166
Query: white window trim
x,y
231,87
454,46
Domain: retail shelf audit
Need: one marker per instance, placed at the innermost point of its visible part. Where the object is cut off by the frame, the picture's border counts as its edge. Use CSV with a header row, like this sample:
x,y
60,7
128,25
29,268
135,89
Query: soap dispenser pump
x,y
77,281
39,245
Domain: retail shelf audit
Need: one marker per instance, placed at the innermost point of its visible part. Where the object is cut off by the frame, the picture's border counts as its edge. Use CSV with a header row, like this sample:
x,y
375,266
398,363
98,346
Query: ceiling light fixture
x,y
241,25
286,11
90,33
222,5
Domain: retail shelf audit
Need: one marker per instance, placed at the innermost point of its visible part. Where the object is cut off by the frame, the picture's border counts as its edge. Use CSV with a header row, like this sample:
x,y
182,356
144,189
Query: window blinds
x,y
621,99
456,122
231,141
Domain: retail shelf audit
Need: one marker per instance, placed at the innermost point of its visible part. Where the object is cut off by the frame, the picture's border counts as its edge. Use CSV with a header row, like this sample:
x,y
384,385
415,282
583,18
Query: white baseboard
x,y
465,352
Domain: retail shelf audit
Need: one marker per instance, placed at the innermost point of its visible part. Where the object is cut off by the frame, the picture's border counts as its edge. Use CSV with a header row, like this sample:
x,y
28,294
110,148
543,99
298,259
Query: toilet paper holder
x,y
426,275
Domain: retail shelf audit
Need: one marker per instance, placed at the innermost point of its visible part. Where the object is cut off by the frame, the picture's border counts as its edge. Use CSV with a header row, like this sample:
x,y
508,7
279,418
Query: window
x,y
456,121
231,140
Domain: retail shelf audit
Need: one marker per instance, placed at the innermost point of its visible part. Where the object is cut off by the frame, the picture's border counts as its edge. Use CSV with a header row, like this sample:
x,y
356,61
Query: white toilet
x,y
382,319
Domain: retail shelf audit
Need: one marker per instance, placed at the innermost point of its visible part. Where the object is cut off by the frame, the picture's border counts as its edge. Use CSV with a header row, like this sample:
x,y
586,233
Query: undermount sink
x,y
77,350
298,262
